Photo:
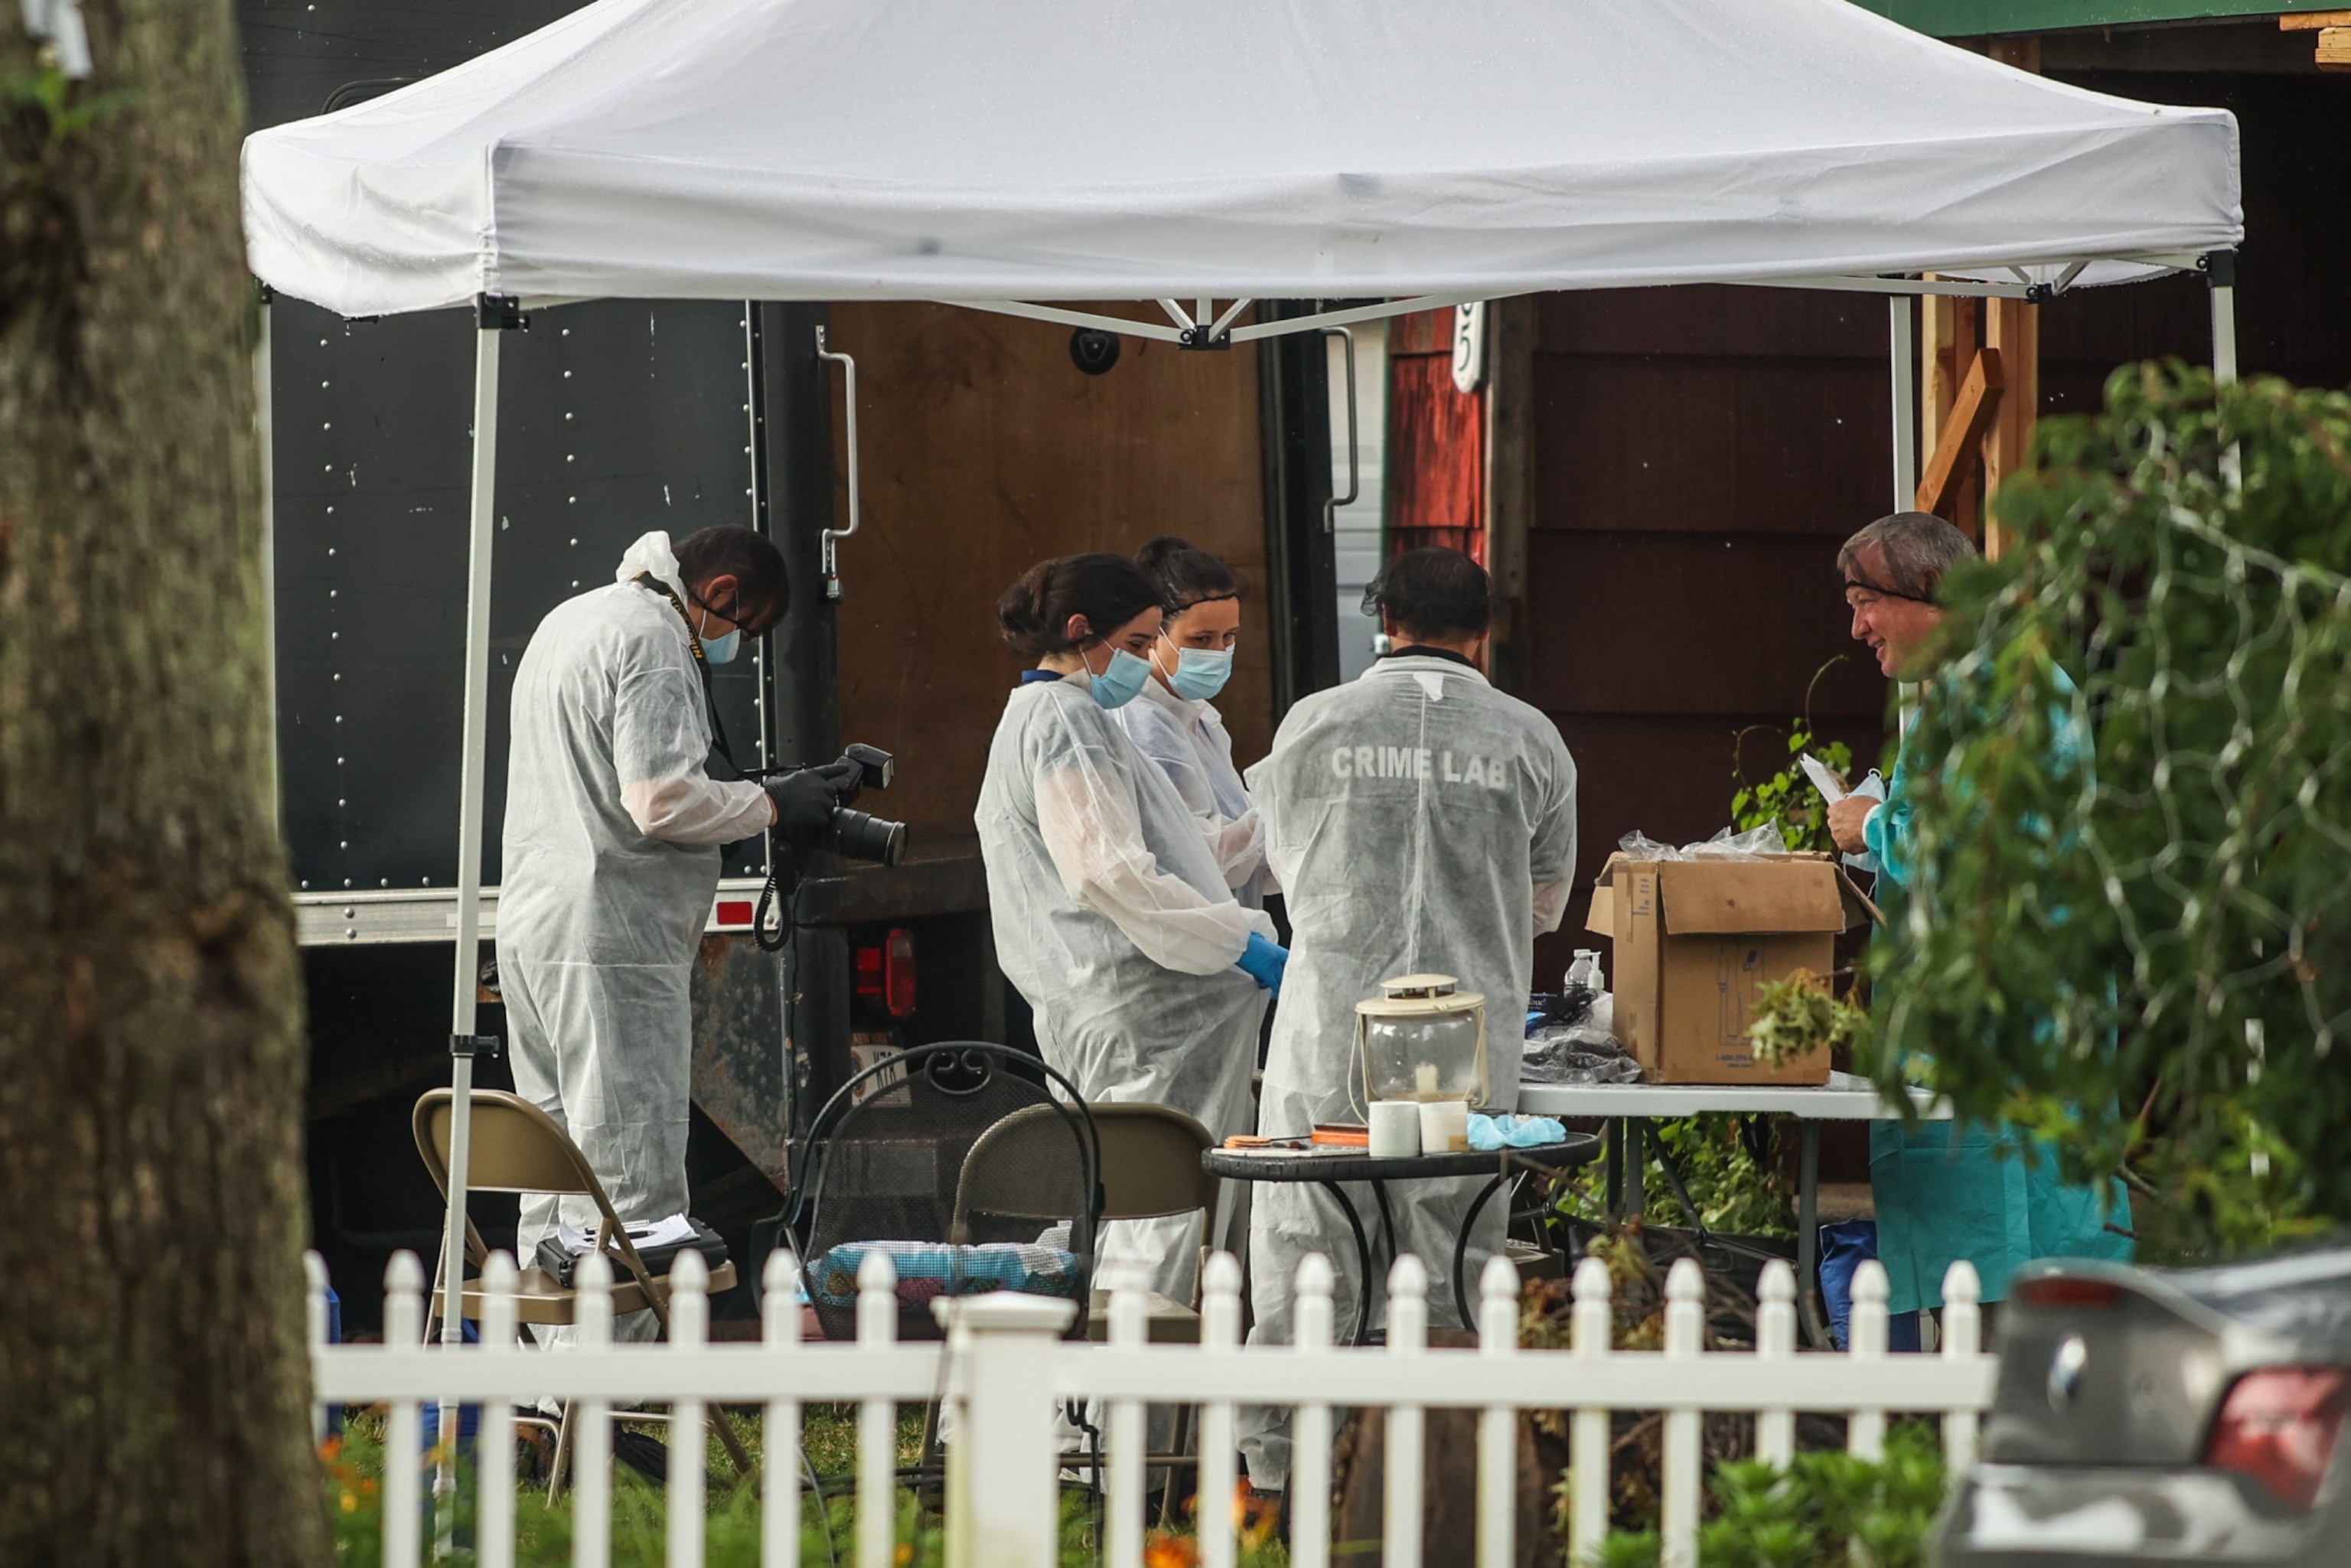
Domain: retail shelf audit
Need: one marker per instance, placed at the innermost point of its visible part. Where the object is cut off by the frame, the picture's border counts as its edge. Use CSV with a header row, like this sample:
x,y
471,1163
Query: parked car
x,y
2174,1416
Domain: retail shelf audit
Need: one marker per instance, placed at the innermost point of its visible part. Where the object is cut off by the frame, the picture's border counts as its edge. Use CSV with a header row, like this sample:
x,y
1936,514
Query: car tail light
x,y
886,973
2278,1427
734,911
2066,1291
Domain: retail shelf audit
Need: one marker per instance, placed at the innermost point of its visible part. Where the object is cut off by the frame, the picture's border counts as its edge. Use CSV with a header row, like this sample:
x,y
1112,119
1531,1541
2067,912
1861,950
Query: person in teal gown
x,y
1945,1190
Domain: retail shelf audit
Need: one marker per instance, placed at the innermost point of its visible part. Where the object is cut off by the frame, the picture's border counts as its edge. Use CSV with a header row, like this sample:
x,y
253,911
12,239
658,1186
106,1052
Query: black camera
x,y
858,835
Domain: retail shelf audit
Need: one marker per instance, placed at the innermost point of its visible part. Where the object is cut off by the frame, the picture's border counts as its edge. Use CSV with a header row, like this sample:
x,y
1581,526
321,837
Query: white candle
x,y
1424,1079
1444,1126
1396,1129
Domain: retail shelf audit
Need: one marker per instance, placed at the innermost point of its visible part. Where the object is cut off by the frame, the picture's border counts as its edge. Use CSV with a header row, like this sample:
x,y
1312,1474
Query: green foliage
x,y
1731,1166
2147,959
1798,1015
63,109
1825,1507
1787,797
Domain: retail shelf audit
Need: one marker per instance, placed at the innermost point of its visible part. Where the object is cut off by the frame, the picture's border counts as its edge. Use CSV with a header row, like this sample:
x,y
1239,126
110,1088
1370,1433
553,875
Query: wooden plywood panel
x,y
1714,321
1625,623
2294,314
985,451
1709,445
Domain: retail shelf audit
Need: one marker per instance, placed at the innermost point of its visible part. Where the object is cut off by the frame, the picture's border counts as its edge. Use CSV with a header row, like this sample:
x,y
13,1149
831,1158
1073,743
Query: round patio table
x,y
1327,1171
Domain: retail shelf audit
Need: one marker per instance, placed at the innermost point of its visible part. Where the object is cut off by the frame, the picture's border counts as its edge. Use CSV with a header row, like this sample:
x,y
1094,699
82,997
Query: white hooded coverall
x,y
611,859
1186,738
1116,924
1420,822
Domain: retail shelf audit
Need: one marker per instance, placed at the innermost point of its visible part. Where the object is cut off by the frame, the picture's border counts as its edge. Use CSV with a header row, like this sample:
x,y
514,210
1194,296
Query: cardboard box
x,y
1696,940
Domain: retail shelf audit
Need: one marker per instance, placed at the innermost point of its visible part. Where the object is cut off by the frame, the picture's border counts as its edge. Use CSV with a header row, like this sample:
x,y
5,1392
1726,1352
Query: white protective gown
x,y
1186,738
1116,924
611,858
1419,822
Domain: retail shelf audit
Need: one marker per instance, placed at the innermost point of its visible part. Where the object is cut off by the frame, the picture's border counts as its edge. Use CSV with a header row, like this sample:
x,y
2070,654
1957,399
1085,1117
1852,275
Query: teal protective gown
x,y
1948,1190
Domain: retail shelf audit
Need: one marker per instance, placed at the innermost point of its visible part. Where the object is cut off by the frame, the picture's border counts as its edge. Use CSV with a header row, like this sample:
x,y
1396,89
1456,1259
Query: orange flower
x,y
1255,1520
1164,1550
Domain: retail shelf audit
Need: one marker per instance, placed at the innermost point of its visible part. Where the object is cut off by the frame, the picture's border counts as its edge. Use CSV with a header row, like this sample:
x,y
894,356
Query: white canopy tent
x,y
1191,153
1189,149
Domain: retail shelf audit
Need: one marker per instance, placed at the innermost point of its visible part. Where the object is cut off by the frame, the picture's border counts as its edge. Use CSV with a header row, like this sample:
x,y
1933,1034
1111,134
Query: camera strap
x,y
780,857
709,697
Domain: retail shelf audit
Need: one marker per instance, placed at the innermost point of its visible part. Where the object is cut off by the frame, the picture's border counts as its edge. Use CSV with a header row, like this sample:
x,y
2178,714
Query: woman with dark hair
x,y
1110,916
1172,722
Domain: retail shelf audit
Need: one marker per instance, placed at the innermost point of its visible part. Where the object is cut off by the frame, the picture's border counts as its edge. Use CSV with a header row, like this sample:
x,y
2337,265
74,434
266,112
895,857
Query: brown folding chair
x,y
515,1146
1150,1169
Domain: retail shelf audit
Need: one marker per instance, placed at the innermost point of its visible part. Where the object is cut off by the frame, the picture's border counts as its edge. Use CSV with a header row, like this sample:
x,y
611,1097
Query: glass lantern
x,y
1422,1040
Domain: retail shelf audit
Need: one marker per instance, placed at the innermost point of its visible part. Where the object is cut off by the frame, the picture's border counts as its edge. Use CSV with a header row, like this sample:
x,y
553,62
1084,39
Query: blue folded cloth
x,y
927,1269
1490,1133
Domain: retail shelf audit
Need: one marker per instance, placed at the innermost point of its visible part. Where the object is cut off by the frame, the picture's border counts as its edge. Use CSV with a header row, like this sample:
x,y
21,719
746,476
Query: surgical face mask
x,y
1201,673
722,650
1120,683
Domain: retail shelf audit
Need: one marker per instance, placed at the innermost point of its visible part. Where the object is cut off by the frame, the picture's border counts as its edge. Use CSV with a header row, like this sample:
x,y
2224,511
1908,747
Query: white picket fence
x,y
1005,1367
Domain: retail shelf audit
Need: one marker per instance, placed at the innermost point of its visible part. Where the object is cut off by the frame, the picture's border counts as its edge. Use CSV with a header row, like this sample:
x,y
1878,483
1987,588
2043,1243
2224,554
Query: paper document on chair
x,y
644,1233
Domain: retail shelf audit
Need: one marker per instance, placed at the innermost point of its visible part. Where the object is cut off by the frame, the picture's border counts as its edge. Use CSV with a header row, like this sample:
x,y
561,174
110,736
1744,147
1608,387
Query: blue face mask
x,y
722,650
1121,682
1201,673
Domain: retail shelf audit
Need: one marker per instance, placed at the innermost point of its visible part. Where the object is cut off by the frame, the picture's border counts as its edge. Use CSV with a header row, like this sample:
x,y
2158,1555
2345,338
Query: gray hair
x,y
1918,549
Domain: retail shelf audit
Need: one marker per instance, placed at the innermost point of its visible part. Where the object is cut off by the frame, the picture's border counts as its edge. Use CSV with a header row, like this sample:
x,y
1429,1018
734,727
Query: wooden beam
x,y
2312,21
1962,434
2335,48
2014,328
1952,330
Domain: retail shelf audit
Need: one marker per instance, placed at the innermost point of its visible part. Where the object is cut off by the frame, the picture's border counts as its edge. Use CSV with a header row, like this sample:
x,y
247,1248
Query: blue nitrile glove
x,y
1263,961
1490,1133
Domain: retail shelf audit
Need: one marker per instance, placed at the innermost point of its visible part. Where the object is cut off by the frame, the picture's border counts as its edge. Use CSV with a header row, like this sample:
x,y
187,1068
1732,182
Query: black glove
x,y
804,802
847,779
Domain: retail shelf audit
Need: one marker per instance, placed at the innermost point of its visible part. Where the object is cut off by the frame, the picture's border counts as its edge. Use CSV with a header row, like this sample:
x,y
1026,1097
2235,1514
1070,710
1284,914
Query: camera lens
x,y
862,837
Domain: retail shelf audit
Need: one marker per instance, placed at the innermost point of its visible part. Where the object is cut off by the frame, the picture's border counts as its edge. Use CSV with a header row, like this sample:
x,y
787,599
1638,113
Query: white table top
x,y
1844,1098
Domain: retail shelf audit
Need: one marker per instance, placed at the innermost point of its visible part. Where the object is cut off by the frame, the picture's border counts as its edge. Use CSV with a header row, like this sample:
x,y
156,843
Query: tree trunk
x,y
151,1364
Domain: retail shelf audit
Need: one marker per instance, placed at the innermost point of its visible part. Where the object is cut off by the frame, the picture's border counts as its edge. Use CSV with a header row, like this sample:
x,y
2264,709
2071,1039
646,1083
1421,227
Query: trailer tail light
x,y
2066,1292
733,912
2278,1426
886,973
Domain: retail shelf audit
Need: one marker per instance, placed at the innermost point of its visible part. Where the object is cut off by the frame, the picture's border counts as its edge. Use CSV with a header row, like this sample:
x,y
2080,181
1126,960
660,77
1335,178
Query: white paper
x,y
644,1233
1824,778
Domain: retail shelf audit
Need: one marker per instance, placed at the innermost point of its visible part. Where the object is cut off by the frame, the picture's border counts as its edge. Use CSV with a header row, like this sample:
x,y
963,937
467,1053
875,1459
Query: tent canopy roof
x,y
1331,149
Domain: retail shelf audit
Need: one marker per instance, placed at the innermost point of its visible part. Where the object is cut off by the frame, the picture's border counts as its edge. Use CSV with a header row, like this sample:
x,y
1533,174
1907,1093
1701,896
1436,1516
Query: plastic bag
x,y
1576,1054
1754,845
1639,846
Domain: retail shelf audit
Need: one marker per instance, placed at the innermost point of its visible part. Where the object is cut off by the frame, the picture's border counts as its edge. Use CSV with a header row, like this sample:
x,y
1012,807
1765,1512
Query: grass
x,y
354,1469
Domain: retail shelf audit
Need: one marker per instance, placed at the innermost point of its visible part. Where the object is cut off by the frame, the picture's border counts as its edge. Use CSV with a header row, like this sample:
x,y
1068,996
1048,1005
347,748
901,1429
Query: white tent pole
x,y
1902,358
464,976
2220,269
266,433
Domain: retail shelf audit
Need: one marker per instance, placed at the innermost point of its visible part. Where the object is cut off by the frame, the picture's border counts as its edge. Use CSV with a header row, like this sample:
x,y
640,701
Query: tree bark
x,y
152,1362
